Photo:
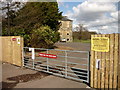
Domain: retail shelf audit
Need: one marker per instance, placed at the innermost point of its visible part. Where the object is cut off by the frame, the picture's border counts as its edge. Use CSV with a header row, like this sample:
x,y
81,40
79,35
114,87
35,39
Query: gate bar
x,y
65,63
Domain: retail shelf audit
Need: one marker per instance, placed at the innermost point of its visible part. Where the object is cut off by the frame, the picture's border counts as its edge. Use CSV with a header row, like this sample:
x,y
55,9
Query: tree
x,y
82,33
32,16
35,14
9,10
44,37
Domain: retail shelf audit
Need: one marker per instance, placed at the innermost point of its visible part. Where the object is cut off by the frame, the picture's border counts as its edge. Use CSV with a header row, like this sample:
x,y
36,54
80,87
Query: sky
x,y
96,15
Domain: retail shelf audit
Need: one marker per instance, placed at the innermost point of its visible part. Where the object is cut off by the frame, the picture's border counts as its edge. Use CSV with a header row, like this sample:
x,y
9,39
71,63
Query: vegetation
x,y
34,21
82,34
82,41
45,35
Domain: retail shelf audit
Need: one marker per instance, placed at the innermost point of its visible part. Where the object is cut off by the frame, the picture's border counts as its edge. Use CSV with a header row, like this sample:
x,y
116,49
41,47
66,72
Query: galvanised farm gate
x,y
104,63
64,63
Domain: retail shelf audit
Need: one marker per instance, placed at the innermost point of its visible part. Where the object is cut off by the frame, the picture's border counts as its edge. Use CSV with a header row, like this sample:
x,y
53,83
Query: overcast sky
x,y
100,16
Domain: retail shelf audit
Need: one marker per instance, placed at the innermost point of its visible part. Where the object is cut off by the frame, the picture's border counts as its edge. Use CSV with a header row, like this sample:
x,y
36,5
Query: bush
x,y
44,37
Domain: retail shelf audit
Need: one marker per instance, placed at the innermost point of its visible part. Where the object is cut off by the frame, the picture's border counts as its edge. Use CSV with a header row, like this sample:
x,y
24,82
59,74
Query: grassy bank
x,y
82,41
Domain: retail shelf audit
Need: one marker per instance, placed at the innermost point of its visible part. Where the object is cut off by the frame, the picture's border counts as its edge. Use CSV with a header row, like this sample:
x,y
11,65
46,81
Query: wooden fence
x,y
107,75
11,47
119,65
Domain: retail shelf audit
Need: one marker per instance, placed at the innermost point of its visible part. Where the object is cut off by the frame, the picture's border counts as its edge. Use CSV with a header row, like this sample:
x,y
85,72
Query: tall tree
x,y
9,10
32,16
82,33
35,14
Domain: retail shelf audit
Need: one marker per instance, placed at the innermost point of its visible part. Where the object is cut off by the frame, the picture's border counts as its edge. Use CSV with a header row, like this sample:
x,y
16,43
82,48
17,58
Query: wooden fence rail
x,y
108,73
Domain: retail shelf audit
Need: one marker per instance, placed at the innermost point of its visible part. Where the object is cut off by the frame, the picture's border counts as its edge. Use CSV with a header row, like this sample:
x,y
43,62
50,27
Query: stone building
x,y
66,30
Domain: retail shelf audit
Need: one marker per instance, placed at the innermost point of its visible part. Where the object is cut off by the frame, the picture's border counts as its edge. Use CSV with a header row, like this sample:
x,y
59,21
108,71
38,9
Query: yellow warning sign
x,y
100,44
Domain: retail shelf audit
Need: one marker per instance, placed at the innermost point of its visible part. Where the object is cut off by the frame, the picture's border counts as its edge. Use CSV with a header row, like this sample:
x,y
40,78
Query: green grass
x,y
82,41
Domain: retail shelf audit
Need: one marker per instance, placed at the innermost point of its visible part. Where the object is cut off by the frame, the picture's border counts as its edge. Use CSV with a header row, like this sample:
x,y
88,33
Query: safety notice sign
x,y
100,44
48,55
13,39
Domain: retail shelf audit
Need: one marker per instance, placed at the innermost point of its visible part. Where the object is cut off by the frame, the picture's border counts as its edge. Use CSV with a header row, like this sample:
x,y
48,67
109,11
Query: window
x,y
67,33
63,39
68,24
67,39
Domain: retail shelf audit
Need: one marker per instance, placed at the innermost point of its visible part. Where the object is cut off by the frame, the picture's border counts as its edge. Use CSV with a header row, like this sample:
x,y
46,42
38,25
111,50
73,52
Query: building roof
x,y
66,19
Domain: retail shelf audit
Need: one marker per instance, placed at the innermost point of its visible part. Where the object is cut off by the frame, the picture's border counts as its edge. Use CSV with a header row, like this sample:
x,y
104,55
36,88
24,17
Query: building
x,y
66,30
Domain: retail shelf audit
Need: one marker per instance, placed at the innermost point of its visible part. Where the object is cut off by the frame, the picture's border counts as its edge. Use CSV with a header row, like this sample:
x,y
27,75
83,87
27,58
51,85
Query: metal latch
x,y
33,52
98,64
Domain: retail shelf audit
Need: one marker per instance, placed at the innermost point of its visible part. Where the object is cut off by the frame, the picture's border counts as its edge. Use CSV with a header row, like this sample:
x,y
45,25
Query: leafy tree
x,y
9,10
82,33
44,37
32,16
35,14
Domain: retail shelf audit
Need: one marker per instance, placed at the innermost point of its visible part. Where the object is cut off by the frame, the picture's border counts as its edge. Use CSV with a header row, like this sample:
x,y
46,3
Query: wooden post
x,y
92,67
103,69
119,64
95,70
107,66
115,62
112,41
99,71
0,49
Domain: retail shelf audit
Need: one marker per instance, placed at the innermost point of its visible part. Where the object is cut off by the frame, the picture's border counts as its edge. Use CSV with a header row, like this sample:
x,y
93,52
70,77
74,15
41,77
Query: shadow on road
x,y
23,78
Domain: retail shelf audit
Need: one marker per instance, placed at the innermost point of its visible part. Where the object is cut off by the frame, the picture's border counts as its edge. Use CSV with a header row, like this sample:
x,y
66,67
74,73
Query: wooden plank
x,y
103,69
11,51
112,41
92,67
22,45
6,49
99,75
107,67
119,65
115,61
0,49
17,56
95,69
14,53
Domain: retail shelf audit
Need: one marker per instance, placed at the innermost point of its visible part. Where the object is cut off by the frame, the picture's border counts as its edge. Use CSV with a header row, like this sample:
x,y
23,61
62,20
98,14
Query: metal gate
x,y
65,63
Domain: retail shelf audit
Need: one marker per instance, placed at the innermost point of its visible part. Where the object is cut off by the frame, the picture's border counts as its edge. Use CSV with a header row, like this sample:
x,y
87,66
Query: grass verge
x,y
82,41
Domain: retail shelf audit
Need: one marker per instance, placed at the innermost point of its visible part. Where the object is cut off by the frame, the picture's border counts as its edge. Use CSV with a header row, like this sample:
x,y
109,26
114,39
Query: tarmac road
x,y
76,45
10,72
16,77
